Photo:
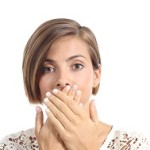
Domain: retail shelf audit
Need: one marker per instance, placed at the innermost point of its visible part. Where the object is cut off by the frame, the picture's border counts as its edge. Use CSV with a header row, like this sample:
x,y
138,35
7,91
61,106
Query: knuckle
x,y
60,106
66,137
69,102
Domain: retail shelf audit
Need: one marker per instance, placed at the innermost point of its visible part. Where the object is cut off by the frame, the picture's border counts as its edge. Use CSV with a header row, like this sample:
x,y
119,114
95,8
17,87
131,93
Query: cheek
x,y
44,86
85,84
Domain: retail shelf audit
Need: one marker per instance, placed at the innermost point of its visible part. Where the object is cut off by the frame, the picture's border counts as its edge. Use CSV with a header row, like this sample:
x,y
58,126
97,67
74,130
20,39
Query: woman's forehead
x,y
68,47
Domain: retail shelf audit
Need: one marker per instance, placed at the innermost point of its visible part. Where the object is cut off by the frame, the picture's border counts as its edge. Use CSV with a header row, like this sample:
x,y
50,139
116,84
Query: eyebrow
x,y
68,59
73,57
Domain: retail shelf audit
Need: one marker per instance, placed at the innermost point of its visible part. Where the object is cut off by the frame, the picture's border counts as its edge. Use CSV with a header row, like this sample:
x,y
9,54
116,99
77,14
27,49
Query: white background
x,y
122,28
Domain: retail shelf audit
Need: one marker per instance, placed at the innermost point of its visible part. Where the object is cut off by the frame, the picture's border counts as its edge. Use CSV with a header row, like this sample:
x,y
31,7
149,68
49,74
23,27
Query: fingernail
x,y
47,110
81,104
55,91
93,101
37,109
48,94
74,87
67,88
46,100
78,93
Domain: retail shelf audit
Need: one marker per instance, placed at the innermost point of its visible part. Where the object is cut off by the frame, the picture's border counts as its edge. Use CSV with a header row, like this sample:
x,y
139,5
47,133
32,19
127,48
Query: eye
x,y
48,69
77,66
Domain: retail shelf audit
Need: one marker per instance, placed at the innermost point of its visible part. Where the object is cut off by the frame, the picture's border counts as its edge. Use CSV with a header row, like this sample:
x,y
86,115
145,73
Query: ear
x,y
97,76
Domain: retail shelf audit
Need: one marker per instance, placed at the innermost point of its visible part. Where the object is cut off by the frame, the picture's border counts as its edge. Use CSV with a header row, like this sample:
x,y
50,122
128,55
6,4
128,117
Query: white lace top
x,y
116,140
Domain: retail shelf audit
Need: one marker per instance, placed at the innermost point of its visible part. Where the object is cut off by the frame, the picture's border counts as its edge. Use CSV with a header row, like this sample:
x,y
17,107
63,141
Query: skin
x,y
70,65
66,83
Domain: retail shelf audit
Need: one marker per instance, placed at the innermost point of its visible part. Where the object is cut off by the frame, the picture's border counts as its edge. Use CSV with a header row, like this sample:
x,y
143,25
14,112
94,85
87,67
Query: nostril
x,y
58,85
61,85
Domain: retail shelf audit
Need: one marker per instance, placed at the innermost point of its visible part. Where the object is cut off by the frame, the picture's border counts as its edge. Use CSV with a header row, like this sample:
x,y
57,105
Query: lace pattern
x,y
116,140
128,141
24,140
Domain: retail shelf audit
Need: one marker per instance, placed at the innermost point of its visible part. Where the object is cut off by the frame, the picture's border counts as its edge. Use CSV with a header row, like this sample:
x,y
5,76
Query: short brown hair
x,y
38,45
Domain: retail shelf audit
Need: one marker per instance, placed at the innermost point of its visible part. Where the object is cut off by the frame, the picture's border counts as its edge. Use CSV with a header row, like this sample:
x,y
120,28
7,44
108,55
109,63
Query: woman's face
x,y
68,63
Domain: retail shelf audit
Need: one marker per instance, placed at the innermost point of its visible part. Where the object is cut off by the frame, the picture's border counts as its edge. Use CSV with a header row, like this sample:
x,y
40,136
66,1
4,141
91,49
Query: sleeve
x,y
24,140
123,140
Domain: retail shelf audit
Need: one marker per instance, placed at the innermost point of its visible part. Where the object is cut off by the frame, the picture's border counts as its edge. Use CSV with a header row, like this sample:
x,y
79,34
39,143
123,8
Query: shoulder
x,y
20,140
118,139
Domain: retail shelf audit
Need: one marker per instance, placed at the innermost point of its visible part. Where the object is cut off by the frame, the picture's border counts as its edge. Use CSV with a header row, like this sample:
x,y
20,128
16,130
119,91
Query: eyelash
x,y
48,69
77,66
74,67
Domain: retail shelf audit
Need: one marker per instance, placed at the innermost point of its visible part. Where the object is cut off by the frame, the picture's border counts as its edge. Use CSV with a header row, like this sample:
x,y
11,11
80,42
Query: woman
x,y
62,69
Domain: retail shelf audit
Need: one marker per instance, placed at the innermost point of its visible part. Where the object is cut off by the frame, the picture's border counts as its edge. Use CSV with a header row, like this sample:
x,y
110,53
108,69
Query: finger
x,y
93,111
77,96
72,91
56,120
59,114
62,131
38,120
69,102
66,89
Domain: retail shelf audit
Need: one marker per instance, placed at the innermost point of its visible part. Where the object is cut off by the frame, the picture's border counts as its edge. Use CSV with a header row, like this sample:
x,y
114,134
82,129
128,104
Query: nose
x,y
61,85
63,80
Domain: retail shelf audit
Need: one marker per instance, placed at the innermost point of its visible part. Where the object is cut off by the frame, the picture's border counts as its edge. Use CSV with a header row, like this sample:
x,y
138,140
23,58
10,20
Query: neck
x,y
104,130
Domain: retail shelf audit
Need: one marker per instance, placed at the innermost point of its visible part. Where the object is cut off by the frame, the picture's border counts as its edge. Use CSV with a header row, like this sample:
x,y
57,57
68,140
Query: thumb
x,y
93,111
38,120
